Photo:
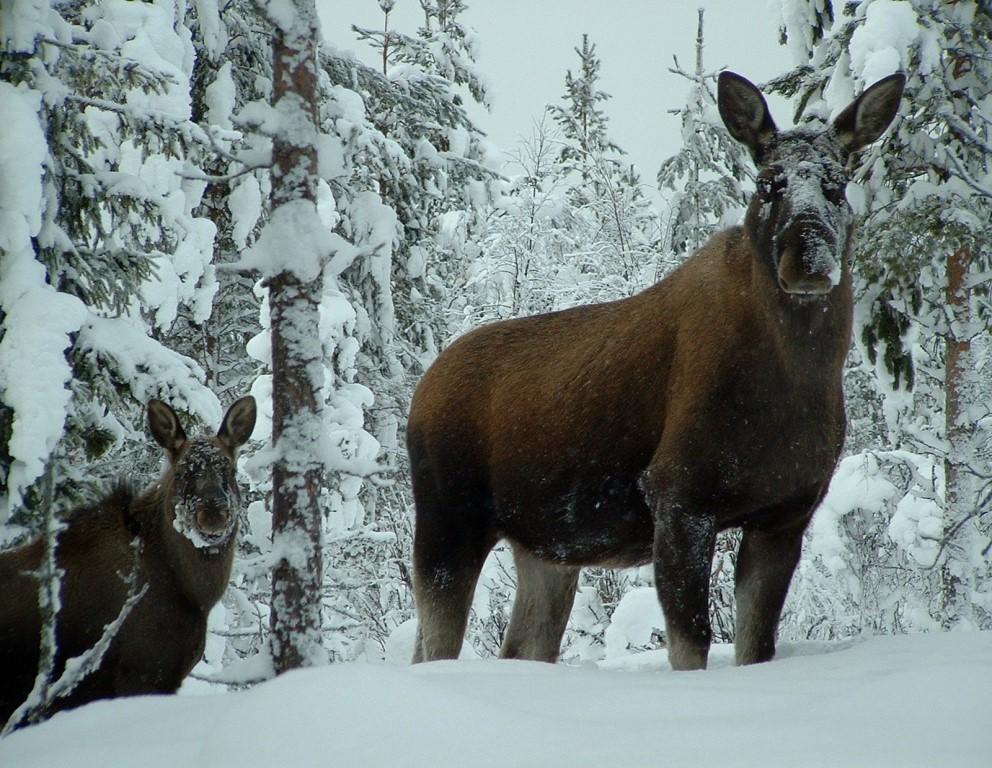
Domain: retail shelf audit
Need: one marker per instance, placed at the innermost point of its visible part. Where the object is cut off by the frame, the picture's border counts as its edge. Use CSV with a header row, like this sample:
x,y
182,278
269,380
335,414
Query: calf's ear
x,y
165,427
239,421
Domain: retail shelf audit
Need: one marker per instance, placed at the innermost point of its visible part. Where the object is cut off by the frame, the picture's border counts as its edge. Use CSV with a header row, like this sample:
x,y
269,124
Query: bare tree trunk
x,y
696,225
296,358
958,431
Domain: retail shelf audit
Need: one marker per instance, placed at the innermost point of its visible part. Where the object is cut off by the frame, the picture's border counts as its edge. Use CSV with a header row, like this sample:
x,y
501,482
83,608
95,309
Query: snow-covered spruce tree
x,y
523,266
232,68
441,185
413,200
923,311
583,123
98,245
365,588
573,225
706,174
442,45
612,215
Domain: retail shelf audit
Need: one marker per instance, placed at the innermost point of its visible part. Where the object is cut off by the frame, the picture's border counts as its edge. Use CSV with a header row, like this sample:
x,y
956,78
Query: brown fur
x,y
632,431
163,637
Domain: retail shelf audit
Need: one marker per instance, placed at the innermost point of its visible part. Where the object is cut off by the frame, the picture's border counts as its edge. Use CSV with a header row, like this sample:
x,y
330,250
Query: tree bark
x,y
958,433
296,365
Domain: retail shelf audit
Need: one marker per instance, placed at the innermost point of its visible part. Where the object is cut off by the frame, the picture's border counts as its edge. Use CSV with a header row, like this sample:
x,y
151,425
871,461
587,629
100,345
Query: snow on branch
x,y
153,369
414,92
38,321
134,72
294,240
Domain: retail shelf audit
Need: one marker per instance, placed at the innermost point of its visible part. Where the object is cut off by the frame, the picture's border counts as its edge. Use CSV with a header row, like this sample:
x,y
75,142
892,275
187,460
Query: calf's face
x,y
205,490
207,499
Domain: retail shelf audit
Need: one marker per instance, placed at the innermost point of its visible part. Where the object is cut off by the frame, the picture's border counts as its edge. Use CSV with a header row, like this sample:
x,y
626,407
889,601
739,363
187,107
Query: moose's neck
x,y
200,573
813,331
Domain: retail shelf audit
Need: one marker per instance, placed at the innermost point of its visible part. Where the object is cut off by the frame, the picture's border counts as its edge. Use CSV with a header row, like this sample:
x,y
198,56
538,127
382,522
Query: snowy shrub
x,y
868,556
637,624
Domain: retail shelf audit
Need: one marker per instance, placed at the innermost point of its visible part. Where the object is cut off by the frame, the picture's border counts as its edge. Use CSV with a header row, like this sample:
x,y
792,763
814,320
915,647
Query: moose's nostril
x,y
211,518
795,277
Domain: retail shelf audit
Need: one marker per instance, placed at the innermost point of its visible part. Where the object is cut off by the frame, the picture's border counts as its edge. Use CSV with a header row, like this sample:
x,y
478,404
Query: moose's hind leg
x,y
448,554
545,593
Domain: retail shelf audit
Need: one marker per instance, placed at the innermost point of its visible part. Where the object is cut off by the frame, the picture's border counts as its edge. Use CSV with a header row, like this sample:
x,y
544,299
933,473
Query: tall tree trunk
x,y
296,357
696,224
957,493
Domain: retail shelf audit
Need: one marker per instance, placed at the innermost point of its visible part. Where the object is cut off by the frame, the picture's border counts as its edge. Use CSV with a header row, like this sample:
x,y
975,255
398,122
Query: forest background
x,y
135,174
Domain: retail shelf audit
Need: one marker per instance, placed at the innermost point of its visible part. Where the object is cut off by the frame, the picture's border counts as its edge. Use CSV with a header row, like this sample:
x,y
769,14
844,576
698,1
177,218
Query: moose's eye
x,y
770,184
834,189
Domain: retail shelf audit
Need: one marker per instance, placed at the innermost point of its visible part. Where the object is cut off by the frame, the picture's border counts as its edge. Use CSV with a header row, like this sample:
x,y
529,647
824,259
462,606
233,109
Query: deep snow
x,y
917,700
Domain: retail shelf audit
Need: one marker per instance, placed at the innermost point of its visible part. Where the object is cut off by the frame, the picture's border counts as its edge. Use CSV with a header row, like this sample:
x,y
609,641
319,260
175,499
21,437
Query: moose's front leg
x,y
766,561
683,554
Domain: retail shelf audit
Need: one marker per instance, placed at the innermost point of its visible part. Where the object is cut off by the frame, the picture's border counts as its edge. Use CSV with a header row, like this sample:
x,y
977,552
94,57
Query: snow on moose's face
x,y
207,496
799,217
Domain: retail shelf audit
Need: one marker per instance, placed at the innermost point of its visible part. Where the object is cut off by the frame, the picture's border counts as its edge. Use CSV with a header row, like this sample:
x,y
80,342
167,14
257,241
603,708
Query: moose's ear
x,y
867,117
239,421
744,112
165,427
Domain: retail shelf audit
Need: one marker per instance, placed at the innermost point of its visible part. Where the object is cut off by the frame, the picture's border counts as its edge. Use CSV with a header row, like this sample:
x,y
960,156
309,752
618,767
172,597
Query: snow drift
x,y
917,700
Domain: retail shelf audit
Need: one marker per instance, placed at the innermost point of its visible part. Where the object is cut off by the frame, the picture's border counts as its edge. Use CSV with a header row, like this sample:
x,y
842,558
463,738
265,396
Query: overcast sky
x,y
527,45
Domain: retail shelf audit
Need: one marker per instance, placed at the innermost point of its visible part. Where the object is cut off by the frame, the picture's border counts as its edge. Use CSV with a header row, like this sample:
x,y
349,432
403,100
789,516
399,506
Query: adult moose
x,y
177,537
620,433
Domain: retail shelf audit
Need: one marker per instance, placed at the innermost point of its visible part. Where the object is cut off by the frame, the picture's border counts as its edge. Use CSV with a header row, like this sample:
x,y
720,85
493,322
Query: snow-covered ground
x,y
918,700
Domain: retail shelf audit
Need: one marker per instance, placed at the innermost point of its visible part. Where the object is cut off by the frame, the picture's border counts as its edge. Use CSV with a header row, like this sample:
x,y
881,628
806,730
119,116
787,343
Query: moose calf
x,y
177,537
